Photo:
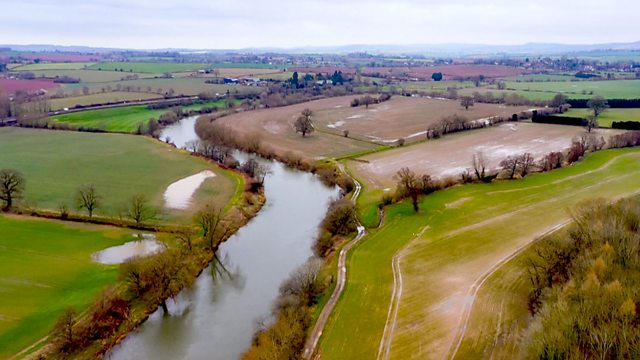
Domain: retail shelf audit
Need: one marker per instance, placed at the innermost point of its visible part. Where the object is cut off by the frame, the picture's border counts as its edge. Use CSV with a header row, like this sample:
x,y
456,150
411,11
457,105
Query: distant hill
x,y
415,49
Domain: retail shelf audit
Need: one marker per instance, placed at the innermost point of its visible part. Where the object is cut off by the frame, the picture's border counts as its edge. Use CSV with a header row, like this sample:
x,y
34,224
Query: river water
x,y
217,317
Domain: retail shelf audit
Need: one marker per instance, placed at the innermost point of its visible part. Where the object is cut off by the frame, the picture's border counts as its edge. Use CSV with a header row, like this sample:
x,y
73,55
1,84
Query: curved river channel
x,y
217,317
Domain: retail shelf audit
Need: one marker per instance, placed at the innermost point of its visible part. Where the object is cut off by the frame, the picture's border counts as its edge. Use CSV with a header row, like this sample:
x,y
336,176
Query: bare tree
x,y
12,185
64,329
558,101
186,235
510,165
466,101
526,163
303,123
592,122
408,185
597,104
139,210
214,229
87,198
479,165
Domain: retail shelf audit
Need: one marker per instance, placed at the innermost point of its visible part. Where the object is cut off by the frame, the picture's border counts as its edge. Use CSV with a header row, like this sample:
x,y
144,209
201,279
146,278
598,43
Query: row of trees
x,y
13,185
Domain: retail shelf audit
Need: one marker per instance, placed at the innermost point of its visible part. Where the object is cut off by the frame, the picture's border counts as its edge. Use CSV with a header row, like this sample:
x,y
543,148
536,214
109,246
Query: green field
x,y
56,163
609,116
87,76
52,66
459,234
180,85
45,267
100,98
120,119
610,89
148,67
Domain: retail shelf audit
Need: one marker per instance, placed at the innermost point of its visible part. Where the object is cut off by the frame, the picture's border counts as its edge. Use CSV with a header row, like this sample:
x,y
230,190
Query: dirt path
x,y
473,290
394,304
312,341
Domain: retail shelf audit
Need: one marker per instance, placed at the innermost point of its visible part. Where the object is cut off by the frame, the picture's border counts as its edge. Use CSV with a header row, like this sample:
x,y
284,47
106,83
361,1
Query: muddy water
x,y
121,253
178,194
218,315
180,132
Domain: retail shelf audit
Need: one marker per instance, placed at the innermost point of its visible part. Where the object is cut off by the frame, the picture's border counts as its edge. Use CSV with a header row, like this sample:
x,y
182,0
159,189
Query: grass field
x,y
609,116
45,267
87,76
147,67
119,119
56,163
181,86
400,117
100,98
452,154
459,234
610,89
53,66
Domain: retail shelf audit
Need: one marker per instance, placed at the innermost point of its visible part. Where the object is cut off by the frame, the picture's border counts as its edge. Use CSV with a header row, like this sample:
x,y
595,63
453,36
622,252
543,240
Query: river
x,y
217,317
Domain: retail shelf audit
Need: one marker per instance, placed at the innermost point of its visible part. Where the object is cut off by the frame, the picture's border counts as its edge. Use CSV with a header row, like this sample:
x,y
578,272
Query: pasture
x,y
438,255
121,119
147,67
452,154
100,98
449,72
181,86
56,163
117,119
52,66
610,89
275,126
400,117
45,267
609,116
86,76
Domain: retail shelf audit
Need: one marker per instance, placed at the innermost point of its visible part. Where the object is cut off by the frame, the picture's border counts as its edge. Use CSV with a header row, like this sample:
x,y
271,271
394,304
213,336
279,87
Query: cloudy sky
x,y
216,24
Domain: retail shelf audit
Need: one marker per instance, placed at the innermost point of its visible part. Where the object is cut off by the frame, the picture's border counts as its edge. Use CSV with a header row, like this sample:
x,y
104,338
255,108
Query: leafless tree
x,y
12,184
304,125
466,101
479,165
510,165
408,185
592,122
526,163
64,329
214,228
597,104
139,210
186,235
87,198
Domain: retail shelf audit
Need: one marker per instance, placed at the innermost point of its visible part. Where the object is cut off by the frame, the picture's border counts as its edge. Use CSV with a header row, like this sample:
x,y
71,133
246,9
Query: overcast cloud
x,y
224,24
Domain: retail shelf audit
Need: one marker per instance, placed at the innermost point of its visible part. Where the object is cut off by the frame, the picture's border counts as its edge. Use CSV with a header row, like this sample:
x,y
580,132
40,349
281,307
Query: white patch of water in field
x,y
121,253
178,195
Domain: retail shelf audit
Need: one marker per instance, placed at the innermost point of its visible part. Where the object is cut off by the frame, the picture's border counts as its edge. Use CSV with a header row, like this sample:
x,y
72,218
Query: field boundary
x,y
312,341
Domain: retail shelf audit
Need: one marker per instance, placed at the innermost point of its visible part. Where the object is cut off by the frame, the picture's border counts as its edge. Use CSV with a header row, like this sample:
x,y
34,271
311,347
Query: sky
x,y
234,24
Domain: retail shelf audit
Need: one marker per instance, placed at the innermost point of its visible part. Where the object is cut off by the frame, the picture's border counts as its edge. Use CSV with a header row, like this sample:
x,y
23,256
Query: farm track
x,y
312,341
390,324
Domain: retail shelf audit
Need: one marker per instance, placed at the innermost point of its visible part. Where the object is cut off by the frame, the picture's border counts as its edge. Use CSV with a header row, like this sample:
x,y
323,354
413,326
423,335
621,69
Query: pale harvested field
x,y
275,126
232,72
401,117
451,155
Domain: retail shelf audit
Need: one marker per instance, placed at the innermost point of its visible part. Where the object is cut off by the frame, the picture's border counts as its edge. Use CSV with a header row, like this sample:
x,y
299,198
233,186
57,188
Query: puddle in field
x,y
178,194
121,253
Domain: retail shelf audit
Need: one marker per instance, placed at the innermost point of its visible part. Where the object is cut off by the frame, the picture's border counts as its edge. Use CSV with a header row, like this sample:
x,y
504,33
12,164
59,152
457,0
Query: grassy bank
x,y
458,234
45,267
